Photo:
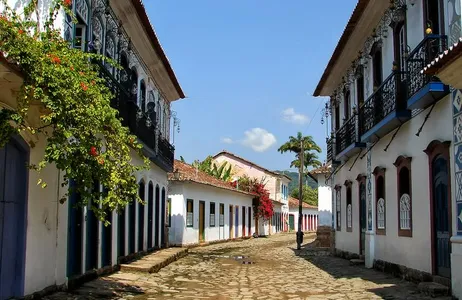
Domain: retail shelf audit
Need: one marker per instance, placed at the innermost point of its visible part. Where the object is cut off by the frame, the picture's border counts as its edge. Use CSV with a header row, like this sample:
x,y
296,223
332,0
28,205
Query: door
x,y
13,217
250,221
201,221
121,233
156,218
236,227
243,221
162,220
106,238
92,226
131,227
441,217
150,214
362,217
230,221
292,222
75,234
141,218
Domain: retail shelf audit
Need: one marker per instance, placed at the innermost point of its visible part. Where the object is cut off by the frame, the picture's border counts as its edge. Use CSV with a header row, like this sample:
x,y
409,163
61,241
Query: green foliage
x,y
222,172
310,150
84,135
310,195
294,182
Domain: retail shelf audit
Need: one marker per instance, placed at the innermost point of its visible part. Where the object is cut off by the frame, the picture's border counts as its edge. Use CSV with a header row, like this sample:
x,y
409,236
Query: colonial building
x,y
55,243
277,185
309,216
393,171
205,209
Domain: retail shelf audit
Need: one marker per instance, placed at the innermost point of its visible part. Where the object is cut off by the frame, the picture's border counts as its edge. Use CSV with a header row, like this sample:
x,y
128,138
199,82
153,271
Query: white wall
x,y
313,213
324,201
179,234
391,247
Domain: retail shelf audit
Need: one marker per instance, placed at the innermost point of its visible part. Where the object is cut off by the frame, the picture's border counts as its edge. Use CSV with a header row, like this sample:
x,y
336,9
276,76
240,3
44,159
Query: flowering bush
x,y
263,206
84,136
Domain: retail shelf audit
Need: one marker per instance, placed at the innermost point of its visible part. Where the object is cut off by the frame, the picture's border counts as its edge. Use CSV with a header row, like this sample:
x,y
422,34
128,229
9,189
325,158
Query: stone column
x,y
370,233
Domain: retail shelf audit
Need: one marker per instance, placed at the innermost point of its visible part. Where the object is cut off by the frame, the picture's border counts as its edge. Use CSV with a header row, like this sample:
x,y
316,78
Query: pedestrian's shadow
x,y
339,268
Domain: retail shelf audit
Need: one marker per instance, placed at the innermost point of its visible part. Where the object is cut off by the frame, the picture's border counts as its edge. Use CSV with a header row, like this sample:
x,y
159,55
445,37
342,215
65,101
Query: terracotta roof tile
x,y
293,202
188,173
324,169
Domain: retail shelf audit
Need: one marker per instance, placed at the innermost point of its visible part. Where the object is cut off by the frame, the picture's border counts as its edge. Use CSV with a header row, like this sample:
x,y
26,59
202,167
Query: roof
x,y
445,58
188,173
324,169
294,202
141,11
225,152
349,29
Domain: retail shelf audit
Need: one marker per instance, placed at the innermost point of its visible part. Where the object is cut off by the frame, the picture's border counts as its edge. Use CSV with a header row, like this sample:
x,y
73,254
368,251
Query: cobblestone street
x,y
269,269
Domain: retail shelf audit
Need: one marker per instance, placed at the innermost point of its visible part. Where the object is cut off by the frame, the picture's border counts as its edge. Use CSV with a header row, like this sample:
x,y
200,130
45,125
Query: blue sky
x,y
249,69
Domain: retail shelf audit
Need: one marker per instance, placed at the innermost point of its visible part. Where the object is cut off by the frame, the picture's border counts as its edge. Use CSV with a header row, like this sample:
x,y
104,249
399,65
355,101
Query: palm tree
x,y
310,150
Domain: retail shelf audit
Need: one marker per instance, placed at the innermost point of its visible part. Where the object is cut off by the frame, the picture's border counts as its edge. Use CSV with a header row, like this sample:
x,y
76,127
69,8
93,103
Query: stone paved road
x,y
275,272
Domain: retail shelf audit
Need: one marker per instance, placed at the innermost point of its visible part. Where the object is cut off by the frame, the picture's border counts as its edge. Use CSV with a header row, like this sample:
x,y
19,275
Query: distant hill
x,y
294,183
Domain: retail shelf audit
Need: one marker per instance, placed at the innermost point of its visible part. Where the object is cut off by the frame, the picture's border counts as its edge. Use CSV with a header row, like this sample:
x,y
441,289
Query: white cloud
x,y
289,115
258,139
227,140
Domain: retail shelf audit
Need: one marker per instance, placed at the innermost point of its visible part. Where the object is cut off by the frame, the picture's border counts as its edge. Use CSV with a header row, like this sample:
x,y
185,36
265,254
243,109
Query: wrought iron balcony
x,y
166,153
385,109
346,139
329,149
424,89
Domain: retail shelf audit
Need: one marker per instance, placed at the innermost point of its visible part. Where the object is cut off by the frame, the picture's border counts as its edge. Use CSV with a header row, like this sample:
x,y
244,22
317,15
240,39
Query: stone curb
x,y
147,265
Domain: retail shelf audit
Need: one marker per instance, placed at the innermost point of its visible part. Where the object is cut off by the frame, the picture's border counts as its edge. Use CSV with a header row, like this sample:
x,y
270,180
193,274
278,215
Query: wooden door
x,y
157,218
121,233
441,217
249,216
141,218
236,226
292,222
201,221
243,221
75,234
230,221
362,217
131,227
13,217
106,240
163,240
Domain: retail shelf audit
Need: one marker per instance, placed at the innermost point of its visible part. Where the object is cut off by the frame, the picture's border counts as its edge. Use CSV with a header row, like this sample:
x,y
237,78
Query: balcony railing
x,y
427,50
389,97
166,152
329,149
346,135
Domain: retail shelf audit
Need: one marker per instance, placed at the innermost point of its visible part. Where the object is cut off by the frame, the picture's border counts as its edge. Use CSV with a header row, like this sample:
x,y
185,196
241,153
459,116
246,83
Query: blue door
x,y
156,218
92,236
13,217
150,214
75,234
162,221
236,227
131,227
106,239
141,217
441,216
121,233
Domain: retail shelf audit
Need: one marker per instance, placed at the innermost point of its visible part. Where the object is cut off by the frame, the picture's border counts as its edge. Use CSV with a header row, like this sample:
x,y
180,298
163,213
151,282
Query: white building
x,y
277,185
55,244
393,167
205,209
309,216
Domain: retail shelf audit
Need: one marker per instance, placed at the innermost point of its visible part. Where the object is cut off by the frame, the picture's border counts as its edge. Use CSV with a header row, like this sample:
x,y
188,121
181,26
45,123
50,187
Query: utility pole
x,y
300,197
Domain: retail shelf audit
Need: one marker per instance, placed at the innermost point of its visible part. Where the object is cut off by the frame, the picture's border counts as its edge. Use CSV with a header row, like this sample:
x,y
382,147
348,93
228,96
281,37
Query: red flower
x,y
20,31
68,2
93,151
55,59
84,86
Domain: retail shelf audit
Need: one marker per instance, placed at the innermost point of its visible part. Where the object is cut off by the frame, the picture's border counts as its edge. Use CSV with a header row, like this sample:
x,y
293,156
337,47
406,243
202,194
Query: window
x,y
212,214
346,103
434,16
142,96
80,29
403,168
360,86
376,54
80,36
222,215
189,212
379,174
169,212
337,117
349,204
338,197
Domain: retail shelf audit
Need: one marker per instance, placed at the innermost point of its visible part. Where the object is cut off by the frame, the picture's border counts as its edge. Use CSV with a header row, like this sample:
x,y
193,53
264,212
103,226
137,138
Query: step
x,y
433,289
152,263
356,262
442,280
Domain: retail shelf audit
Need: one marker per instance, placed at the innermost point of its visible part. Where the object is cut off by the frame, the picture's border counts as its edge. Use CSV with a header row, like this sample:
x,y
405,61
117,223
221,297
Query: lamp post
x,y
300,198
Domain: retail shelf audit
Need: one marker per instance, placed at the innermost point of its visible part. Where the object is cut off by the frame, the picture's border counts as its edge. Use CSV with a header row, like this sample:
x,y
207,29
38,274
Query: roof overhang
x,y
364,19
136,23
448,66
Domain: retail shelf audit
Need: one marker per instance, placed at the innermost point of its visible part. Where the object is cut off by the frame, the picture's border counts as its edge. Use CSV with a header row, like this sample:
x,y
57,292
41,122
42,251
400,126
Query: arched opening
x,y
141,193
157,219
162,221
143,96
150,214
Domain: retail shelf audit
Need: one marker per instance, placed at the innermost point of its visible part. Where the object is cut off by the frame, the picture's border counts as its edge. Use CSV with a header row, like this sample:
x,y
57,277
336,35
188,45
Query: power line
x,y
314,115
